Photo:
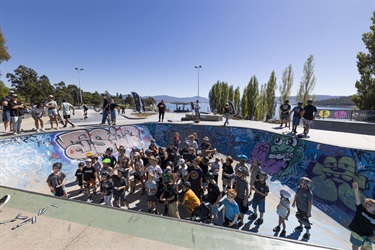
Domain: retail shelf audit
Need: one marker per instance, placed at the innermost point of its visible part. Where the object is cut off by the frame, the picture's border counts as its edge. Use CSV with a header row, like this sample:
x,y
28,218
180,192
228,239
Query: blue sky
x,y
151,47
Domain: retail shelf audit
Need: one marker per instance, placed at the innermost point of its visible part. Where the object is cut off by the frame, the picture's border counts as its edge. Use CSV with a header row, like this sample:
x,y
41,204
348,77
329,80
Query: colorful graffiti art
x,y
26,160
279,156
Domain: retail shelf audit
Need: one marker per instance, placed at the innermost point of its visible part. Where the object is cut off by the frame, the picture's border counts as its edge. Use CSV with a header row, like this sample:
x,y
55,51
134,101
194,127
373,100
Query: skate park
x,y
332,160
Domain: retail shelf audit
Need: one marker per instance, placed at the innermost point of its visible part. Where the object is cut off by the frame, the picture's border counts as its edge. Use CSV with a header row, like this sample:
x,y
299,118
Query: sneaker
x,y
276,229
73,126
89,200
15,133
240,224
80,192
252,216
38,130
258,221
43,130
282,234
101,201
142,192
5,199
306,236
299,228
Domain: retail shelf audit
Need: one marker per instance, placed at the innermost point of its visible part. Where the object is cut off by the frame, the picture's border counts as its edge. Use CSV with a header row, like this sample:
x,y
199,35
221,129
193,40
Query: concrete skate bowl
x,y
26,160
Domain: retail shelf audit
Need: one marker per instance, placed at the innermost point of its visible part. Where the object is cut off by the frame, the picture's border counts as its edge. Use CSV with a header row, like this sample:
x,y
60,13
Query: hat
x,y
309,100
300,103
89,154
50,96
285,193
106,161
243,157
88,160
180,162
206,138
14,95
11,92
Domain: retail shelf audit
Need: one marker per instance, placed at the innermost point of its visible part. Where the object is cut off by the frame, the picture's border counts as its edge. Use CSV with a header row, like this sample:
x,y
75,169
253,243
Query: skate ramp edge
x,y
139,226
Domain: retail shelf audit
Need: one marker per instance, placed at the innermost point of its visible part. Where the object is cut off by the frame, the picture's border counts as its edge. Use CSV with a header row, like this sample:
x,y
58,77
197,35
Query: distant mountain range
x,y
169,99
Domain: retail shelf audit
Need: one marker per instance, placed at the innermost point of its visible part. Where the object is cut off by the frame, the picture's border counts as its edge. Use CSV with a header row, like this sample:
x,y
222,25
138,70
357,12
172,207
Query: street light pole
x,y
198,67
79,86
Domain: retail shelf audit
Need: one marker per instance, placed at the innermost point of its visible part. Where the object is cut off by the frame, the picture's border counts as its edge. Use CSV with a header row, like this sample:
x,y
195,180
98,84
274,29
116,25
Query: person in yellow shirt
x,y
190,201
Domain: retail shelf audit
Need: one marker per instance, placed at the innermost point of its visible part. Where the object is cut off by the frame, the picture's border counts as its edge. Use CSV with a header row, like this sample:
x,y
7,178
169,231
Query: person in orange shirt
x,y
190,201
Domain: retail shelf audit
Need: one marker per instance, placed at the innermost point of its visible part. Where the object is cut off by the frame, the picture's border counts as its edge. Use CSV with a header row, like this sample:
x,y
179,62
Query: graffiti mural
x,y
77,143
26,160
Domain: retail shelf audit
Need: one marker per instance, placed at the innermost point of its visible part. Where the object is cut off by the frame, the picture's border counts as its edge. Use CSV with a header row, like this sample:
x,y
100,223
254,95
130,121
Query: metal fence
x,y
357,115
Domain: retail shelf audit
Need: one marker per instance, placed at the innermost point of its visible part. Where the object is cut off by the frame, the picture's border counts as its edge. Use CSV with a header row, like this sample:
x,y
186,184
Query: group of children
x,y
165,179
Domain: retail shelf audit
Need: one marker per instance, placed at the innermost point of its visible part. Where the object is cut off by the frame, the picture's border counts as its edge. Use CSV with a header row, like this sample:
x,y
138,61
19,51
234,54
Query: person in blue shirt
x,y
231,211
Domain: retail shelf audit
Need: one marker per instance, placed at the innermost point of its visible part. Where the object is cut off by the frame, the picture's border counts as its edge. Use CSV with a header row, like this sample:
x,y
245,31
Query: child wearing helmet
x,y
283,210
303,201
242,163
56,180
182,170
261,190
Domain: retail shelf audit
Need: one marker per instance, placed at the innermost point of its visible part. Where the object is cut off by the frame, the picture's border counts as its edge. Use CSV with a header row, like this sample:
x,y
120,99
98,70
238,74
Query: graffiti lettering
x,y
78,142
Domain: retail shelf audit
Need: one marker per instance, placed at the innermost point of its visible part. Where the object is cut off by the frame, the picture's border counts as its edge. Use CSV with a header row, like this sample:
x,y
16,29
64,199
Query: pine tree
x,y
365,97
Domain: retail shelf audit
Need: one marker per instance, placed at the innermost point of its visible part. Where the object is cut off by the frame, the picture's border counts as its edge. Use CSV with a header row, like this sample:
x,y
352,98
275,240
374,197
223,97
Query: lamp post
x,y
198,67
79,86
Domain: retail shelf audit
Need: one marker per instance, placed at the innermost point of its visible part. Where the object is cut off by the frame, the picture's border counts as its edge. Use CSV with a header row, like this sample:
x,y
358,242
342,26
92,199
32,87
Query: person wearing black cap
x,y
285,112
309,114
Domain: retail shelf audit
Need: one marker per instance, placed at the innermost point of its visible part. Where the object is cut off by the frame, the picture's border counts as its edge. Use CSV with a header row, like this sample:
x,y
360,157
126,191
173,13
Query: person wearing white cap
x,y
52,111
283,210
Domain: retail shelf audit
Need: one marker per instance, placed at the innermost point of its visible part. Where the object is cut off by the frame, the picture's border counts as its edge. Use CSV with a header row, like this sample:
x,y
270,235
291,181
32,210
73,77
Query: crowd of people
x,y
184,175
13,112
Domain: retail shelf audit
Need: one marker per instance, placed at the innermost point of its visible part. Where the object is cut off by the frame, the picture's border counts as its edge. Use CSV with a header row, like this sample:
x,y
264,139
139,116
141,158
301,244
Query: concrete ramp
x,y
78,225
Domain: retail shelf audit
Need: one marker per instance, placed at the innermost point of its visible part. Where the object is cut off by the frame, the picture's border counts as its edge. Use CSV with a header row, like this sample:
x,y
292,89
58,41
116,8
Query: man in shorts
x,y
52,111
309,114
66,107
297,111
